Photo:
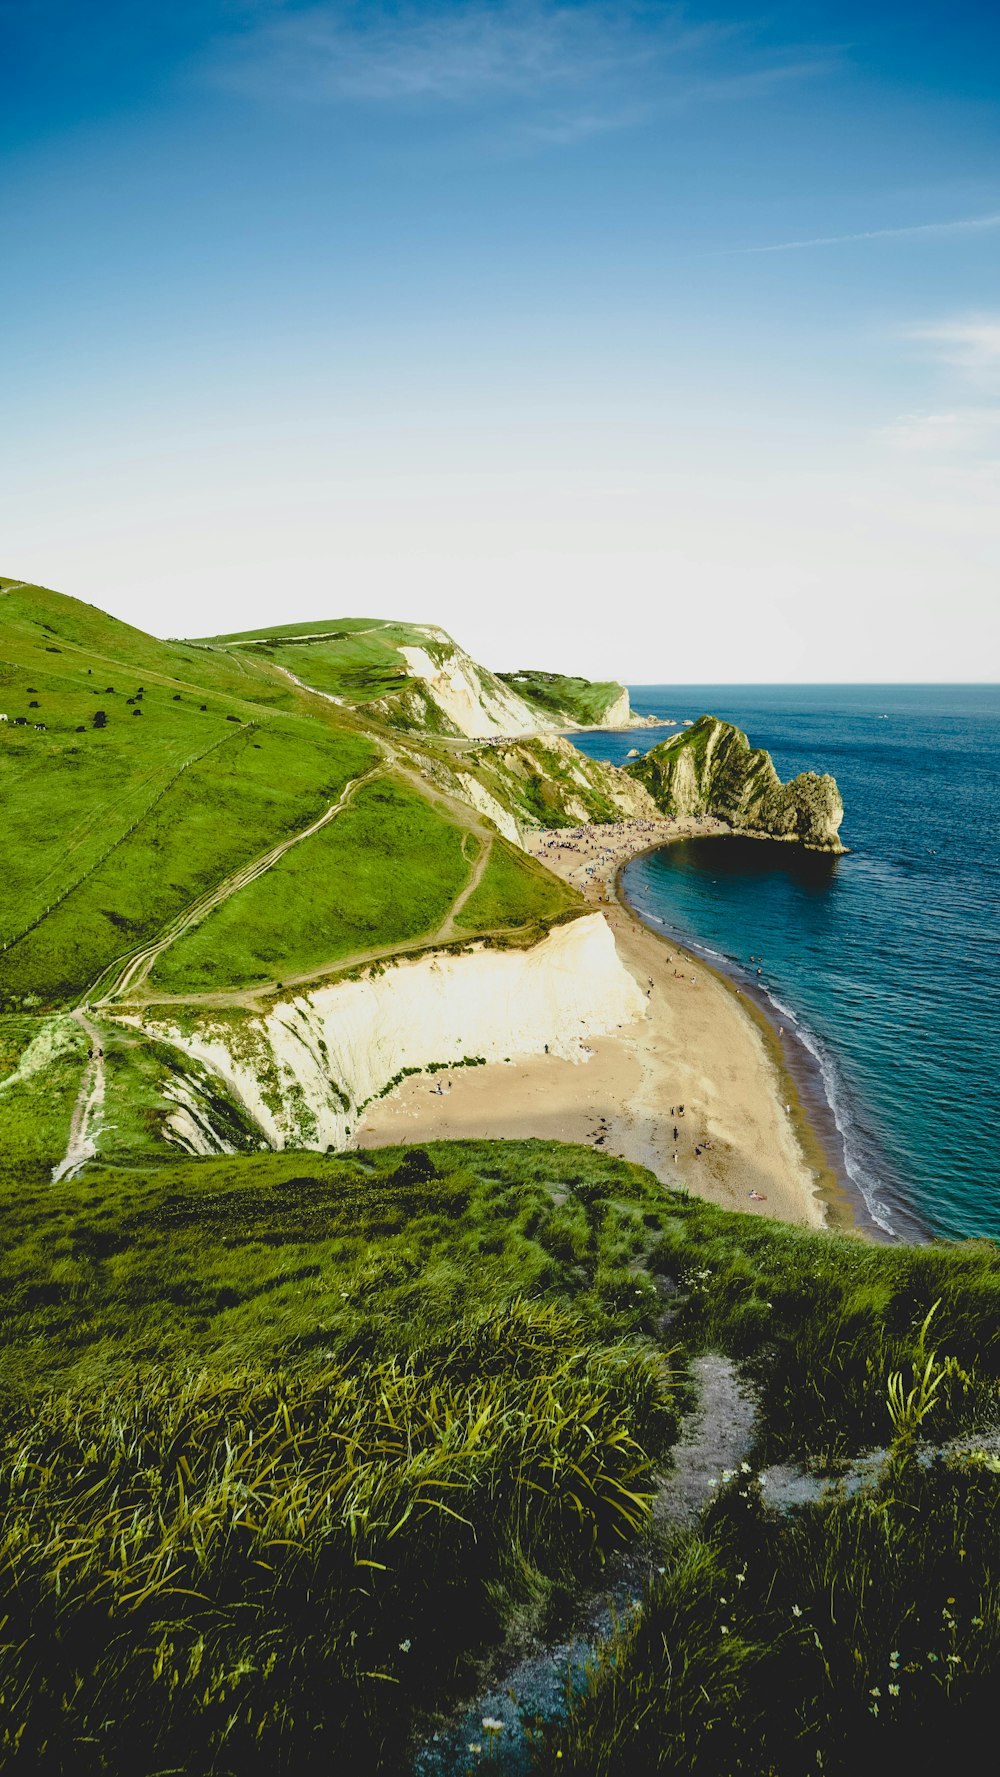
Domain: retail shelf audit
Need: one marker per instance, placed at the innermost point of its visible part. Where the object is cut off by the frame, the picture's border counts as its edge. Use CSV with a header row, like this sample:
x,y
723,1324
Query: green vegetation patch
x,y
558,695
44,1059
515,891
384,872
321,1440
222,810
291,1442
355,659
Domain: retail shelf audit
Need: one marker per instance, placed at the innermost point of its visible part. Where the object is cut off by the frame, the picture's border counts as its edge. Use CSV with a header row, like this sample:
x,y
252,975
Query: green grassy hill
x,y
136,774
565,699
293,1445
301,1452
412,676
356,659
185,815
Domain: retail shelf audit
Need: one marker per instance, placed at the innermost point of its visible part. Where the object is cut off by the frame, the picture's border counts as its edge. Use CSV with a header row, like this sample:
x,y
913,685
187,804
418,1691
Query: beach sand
x,y
698,1049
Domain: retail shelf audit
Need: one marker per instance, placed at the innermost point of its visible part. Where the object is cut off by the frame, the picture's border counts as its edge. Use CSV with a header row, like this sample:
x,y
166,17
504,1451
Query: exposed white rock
x,y
478,797
302,1070
57,1037
473,700
619,713
188,1125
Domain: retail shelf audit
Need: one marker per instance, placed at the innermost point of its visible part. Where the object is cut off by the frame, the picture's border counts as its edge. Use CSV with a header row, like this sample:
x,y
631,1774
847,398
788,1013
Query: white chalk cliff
x,y
473,701
302,1070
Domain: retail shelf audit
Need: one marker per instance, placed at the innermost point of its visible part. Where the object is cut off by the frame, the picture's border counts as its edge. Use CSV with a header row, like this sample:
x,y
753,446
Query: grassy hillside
x,y
267,1420
219,811
385,872
386,670
181,818
138,775
514,891
563,698
356,659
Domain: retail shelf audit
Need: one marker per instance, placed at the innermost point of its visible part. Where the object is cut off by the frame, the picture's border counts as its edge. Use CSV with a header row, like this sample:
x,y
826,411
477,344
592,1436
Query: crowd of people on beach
x,y
608,842
606,845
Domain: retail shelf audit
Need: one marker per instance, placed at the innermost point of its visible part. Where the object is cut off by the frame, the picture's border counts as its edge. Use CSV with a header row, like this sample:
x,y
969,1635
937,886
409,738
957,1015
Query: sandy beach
x,y
689,1091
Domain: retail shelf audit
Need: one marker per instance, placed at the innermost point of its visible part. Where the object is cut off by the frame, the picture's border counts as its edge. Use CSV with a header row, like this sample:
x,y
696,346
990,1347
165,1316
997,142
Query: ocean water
x,y
885,964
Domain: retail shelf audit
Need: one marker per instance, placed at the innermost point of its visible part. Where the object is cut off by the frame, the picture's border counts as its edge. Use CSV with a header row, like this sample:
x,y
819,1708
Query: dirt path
x,y
717,1436
448,930
137,966
84,1125
253,997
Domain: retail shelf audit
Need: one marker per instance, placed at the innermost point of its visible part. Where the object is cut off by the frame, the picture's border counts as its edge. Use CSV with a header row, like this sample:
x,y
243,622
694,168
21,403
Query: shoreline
x,y
798,1073
803,1078
822,1148
691,1090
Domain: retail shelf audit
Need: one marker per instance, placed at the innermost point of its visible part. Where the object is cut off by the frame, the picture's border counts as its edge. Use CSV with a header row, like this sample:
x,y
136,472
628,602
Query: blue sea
x,y
883,966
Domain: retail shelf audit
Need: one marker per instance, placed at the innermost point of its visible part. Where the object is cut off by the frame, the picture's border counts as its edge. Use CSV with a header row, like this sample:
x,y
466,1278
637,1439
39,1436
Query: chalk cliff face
x,y
300,1072
471,700
712,769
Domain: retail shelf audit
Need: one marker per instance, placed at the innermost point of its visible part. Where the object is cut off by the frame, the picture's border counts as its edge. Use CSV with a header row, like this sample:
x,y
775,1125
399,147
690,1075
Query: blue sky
x,y
646,339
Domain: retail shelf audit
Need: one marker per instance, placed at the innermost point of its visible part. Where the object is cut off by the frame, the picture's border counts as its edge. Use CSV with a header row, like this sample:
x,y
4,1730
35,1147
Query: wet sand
x,y
700,1063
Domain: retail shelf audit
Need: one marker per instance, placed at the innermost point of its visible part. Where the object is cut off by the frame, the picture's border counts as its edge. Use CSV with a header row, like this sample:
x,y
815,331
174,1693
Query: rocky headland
x,y
711,769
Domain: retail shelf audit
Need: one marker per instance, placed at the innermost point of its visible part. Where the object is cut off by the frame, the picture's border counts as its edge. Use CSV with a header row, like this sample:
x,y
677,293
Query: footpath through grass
x,y
221,811
290,1441
384,871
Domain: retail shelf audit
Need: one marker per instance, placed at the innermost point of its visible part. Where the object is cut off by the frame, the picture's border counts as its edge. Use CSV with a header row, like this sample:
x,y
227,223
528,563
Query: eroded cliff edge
x,y
712,769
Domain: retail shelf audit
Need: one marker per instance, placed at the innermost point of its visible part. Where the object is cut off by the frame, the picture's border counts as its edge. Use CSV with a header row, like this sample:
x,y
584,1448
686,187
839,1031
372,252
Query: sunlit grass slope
x,y
132,772
560,696
384,872
515,891
41,1065
291,1443
137,775
251,788
357,659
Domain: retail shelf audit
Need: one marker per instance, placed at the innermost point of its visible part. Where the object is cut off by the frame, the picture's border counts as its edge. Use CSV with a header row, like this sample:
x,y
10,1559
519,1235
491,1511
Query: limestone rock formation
x,y
712,769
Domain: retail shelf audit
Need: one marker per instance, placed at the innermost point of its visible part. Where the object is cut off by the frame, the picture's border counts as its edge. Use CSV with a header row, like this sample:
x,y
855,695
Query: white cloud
x,y
971,345
596,66
963,225
959,431
331,52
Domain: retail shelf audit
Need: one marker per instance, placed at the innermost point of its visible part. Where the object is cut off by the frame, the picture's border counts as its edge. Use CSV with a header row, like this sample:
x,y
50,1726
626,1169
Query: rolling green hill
x,y
193,818
564,699
300,1450
295,1451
